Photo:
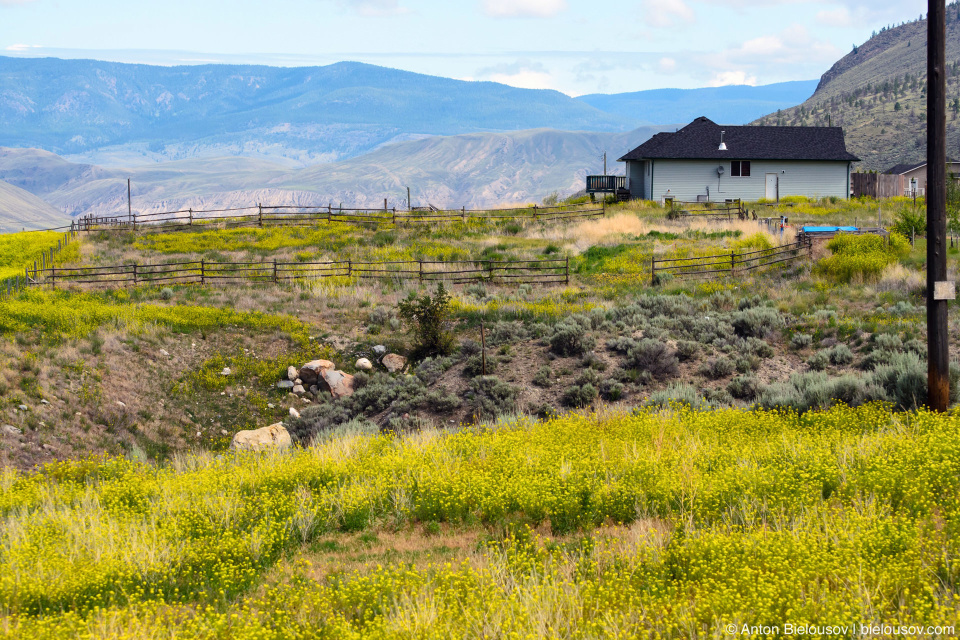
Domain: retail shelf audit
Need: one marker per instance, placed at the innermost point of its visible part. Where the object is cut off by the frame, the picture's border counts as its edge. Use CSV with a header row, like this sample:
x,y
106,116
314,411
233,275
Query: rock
x,y
292,373
364,365
379,350
310,372
23,407
314,389
224,432
9,429
298,389
294,413
44,402
270,405
298,381
164,353
226,371
285,384
394,362
339,384
273,437
120,404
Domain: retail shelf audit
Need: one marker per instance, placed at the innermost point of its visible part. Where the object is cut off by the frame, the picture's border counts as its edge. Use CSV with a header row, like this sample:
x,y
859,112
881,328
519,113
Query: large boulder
x,y
364,364
338,383
310,372
394,362
273,437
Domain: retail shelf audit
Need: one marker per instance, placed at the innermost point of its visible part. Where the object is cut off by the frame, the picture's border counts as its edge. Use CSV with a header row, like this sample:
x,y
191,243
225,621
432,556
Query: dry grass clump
x,y
897,277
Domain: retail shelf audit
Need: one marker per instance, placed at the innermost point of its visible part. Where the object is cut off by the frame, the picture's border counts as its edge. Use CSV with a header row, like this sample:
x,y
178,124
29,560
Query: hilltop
x,y
21,209
877,93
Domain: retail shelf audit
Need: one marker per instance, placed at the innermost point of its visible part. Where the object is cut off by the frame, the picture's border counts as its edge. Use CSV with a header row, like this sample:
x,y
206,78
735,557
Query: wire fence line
x,y
731,264
204,272
46,259
260,216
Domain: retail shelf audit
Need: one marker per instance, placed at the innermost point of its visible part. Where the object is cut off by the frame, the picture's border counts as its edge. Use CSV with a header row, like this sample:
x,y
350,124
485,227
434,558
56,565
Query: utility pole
x,y
409,204
604,163
129,205
939,291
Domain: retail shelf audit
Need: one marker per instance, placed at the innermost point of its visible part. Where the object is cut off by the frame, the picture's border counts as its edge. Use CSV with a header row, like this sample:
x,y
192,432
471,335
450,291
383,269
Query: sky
x,y
573,46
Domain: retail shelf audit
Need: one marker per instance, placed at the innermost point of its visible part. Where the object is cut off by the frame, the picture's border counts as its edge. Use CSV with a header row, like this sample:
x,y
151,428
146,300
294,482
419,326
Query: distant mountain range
x,y
735,104
124,114
472,170
21,210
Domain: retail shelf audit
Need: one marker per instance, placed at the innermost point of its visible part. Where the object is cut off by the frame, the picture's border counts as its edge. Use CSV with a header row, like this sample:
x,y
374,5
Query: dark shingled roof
x,y
699,141
900,169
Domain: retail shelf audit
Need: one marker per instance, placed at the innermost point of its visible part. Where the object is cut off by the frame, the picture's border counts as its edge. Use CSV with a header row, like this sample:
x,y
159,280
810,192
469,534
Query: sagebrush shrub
x,y
569,338
489,396
717,368
744,388
654,358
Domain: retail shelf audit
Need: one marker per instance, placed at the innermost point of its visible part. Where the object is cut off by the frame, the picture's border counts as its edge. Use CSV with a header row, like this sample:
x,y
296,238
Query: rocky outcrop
x,y
310,372
394,362
338,383
267,438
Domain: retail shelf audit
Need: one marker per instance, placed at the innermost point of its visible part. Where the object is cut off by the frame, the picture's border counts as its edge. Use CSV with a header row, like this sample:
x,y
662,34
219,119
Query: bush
x,y
677,394
717,368
906,222
756,322
544,377
840,355
653,358
744,388
819,360
473,366
430,370
488,397
687,350
579,395
166,293
427,317
612,390
904,379
815,390
863,257
593,361
506,333
569,339
801,340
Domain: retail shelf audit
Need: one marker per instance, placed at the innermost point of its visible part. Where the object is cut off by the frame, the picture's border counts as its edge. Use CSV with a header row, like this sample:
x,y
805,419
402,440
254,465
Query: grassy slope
x,y
853,94
21,209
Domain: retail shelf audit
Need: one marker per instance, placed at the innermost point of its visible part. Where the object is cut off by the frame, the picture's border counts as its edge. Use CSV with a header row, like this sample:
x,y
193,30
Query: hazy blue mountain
x,y
735,104
473,170
309,114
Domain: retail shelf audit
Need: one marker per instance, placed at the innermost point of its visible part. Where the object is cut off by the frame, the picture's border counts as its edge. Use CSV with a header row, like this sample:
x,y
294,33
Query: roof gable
x,y
900,169
700,140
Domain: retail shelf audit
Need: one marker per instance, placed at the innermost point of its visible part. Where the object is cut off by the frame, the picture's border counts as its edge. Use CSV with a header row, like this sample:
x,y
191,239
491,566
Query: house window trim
x,y
739,174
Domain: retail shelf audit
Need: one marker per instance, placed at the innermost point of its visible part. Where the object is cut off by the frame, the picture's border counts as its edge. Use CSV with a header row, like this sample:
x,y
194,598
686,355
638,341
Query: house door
x,y
773,187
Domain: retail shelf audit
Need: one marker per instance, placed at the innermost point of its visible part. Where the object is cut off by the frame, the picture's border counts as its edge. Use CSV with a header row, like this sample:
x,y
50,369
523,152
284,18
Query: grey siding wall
x,y
636,176
687,179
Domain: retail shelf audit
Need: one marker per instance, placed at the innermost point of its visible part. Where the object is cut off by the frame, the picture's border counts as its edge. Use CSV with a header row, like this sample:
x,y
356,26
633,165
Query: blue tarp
x,y
827,229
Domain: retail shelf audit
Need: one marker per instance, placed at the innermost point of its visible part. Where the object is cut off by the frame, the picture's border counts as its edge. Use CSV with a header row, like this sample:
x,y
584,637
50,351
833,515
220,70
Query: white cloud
x,y
839,17
11,3
525,80
523,8
724,78
668,13
23,47
667,65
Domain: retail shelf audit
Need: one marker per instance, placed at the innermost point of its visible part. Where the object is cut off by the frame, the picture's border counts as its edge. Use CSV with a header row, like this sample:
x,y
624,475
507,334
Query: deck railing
x,y
606,184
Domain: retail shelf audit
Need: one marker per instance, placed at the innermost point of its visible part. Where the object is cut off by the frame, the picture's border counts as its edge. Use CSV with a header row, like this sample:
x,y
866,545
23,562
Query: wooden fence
x,y
730,210
732,264
204,272
45,260
260,216
876,185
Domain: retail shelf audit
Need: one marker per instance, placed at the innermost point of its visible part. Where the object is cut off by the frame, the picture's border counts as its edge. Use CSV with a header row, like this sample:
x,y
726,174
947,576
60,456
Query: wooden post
x,y
463,214
53,277
733,262
134,274
275,272
409,204
190,211
420,262
203,275
129,204
938,357
349,268
566,270
260,214
384,204
653,271
483,351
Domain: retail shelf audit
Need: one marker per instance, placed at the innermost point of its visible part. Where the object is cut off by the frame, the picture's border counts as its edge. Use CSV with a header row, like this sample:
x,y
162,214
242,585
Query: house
x,y
913,177
709,162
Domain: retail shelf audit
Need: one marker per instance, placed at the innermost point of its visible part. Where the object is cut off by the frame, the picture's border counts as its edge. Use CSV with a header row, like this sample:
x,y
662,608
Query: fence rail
x,y
731,264
730,210
260,215
204,272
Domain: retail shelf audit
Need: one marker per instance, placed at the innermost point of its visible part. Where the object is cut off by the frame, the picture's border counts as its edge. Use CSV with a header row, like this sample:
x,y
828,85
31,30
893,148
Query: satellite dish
x,y
720,170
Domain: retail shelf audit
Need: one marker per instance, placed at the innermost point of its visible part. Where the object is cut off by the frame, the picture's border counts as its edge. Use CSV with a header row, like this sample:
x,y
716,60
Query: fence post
x,y
394,216
733,263
203,275
190,211
260,214
134,274
490,270
349,269
463,214
53,277
420,262
653,271
567,269
275,272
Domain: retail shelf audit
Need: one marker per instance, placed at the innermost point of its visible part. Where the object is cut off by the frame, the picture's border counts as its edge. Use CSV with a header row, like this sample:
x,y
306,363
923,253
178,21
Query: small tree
x,y
427,318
